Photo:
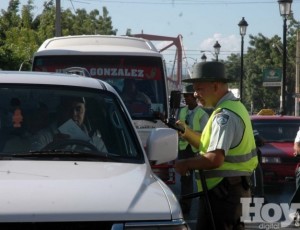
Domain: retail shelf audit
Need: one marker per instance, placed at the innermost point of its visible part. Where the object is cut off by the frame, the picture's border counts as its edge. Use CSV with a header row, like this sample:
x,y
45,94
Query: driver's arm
x,y
97,141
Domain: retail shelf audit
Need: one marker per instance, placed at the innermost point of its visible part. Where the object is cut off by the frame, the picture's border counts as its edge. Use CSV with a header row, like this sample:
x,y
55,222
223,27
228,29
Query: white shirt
x,y
227,128
297,139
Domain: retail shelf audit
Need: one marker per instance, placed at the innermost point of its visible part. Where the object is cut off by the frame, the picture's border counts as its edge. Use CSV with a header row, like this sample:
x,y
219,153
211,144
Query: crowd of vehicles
x,y
117,60
107,64
69,183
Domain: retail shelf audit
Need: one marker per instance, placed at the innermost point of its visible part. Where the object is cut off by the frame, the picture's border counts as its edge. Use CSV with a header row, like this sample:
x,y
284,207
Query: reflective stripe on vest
x,y
196,117
240,160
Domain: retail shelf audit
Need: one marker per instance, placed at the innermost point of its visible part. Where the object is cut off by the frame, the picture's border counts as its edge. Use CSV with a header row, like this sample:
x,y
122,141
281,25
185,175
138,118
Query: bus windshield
x,y
138,80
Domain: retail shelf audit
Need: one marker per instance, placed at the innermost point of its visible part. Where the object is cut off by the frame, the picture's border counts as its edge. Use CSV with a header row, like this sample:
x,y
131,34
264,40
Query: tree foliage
x,y
264,52
21,34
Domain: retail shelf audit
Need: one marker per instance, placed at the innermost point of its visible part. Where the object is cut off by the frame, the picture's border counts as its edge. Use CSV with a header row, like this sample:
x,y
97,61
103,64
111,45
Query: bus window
x,y
146,72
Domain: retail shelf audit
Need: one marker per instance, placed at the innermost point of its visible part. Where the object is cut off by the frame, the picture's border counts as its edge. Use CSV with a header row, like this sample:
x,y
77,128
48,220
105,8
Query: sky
x,y
200,22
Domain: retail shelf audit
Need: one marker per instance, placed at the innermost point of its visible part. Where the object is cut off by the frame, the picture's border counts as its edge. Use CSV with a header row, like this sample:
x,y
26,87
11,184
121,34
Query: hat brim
x,y
192,80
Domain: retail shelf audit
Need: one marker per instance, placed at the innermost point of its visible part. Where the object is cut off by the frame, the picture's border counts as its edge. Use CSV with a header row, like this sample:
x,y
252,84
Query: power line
x,y
191,2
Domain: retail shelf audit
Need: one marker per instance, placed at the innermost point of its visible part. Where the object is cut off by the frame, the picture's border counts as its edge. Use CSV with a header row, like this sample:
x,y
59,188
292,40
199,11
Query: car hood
x,y
83,191
278,149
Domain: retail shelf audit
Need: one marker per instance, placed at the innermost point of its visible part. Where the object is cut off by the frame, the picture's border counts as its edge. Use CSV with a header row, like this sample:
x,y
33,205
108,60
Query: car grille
x,y
290,160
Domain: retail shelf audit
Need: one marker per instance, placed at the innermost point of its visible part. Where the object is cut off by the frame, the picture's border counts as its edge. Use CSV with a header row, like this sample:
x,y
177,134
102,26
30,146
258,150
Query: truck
x,y
96,176
117,60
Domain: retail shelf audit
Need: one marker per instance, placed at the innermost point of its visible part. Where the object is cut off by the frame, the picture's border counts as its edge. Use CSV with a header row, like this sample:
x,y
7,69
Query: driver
x,y
70,125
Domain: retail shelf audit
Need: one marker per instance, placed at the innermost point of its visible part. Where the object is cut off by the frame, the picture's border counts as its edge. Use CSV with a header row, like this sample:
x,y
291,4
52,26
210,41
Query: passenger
x,y
15,114
196,118
227,150
17,137
295,215
130,93
73,110
297,144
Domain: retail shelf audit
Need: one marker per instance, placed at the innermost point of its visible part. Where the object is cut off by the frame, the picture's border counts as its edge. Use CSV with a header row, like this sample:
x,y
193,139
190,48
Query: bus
x,y
120,61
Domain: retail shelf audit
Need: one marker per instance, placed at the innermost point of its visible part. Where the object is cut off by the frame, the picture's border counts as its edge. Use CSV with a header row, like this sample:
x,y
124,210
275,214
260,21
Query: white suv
x,y
70,158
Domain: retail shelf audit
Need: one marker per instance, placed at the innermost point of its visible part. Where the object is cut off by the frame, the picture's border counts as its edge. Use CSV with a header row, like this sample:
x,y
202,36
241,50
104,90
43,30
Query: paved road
x,y
273,195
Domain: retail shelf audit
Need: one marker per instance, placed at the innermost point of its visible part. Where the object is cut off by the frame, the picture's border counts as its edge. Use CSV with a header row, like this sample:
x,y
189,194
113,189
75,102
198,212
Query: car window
x,y
65,122
276,130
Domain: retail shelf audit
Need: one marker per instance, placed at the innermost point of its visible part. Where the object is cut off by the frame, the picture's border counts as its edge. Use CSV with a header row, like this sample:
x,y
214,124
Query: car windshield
x,y
276,130
138,80
44,122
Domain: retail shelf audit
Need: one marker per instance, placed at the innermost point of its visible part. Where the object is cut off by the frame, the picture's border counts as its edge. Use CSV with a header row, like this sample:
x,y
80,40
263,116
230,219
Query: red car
x,y
277,134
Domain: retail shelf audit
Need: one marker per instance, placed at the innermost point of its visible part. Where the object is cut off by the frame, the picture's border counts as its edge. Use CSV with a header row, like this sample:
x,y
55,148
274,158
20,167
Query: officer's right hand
x,y
181,126
190,135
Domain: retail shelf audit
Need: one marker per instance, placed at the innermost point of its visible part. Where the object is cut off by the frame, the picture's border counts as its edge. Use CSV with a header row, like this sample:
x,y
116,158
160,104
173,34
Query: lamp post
x,y
285,10
57,19
203,58
217,48
243,28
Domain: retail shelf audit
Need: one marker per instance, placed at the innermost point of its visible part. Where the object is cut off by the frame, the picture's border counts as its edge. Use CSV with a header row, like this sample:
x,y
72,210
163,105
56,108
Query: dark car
x,y
276,155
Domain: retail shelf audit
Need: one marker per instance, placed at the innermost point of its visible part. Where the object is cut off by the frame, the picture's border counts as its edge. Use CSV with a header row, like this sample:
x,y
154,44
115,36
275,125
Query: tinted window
x,y
277,130
53,120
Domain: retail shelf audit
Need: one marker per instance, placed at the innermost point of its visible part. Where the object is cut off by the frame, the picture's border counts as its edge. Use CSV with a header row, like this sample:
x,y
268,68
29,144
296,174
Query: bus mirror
x,y
175,99
78,71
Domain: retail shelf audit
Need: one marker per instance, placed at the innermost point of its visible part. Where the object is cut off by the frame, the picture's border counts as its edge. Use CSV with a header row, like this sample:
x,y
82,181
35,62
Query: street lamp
x,y
285,10
203,58
243,28
217,48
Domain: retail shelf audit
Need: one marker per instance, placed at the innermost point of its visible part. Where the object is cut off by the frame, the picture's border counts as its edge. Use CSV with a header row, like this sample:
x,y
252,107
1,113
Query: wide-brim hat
x,y
188,89
208,72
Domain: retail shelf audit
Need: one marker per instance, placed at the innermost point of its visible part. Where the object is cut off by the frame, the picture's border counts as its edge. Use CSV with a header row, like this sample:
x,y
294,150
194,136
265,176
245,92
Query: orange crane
x,y
174,80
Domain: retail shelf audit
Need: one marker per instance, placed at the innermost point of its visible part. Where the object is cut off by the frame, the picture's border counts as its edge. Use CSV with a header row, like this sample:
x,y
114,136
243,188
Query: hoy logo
x,y
269,215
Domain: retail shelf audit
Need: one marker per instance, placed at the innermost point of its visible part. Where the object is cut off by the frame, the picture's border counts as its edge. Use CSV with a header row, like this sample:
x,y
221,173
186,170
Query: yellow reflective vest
x,y
240,160
197,114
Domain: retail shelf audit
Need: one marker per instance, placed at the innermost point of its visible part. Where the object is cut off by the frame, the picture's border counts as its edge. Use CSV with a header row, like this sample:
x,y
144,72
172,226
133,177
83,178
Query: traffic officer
x,y
196,118
227,149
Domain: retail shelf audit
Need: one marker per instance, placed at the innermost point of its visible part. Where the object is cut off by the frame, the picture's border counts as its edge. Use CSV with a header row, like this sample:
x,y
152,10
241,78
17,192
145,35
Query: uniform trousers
x,y
296,195
225,205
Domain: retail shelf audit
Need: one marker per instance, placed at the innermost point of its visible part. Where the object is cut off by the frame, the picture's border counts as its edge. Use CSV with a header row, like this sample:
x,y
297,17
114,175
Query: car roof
x,y
47,78
274,117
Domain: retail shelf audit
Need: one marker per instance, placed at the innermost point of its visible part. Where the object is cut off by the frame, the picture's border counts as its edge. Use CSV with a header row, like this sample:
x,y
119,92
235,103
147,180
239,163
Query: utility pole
x,y
58,19
297,82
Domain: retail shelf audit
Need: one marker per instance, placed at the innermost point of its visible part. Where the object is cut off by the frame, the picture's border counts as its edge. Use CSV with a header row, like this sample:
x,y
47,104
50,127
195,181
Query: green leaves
x,y
21,33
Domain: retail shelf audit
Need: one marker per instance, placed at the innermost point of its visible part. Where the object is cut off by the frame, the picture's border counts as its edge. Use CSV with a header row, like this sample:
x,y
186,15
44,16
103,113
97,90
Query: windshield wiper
x,y
152,119
66,153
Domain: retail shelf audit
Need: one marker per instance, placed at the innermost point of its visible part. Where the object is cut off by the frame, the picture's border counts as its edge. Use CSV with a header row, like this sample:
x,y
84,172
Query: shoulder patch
x,y
222,119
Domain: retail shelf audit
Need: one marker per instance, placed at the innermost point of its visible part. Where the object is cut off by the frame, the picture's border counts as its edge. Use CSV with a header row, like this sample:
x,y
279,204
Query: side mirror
x,y
78,71
162,145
